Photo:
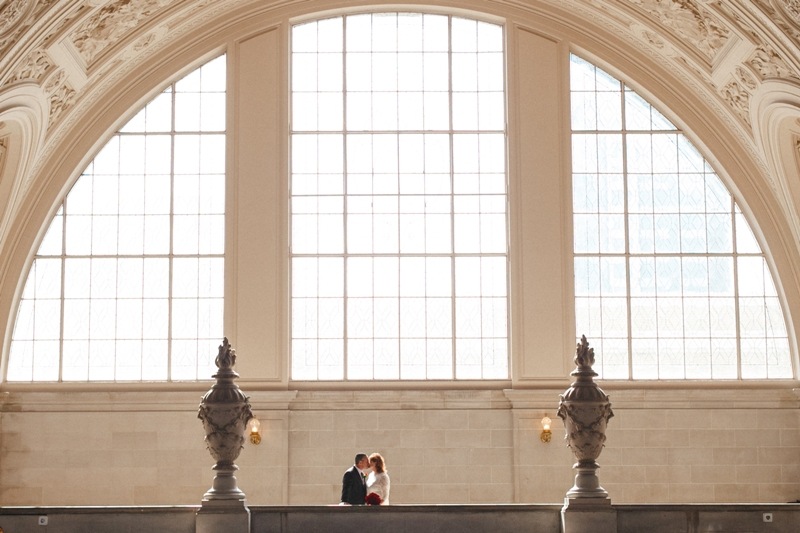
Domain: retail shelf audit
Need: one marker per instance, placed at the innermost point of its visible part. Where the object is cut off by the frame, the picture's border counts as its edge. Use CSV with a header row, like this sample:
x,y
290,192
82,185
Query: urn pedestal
x,y
224,411
585,410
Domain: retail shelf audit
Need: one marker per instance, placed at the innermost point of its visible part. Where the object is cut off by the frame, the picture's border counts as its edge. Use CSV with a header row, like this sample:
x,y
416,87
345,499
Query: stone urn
x,y
585,410
225,411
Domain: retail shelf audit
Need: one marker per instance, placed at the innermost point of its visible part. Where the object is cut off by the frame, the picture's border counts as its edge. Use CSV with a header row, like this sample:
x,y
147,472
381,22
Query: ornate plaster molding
x,y
112,23
792,9
110,38
12,12
783,15
745,78
767,63
3,150
730,103
25,25
690,21
738,99
60,94
33,68
125,60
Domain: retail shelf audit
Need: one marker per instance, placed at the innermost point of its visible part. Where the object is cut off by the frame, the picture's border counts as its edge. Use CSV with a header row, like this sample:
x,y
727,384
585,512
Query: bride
x,y
378,480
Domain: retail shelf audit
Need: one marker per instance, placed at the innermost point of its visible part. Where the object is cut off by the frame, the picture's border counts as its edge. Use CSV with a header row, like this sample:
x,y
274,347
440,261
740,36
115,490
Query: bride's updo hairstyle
x,y
377,462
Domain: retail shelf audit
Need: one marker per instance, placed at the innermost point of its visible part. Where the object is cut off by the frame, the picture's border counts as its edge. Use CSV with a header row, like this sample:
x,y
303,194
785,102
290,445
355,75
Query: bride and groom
x,y
366,482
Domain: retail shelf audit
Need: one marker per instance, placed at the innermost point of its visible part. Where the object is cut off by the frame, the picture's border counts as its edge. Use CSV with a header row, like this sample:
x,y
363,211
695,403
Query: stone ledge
x,y
699,395
499,518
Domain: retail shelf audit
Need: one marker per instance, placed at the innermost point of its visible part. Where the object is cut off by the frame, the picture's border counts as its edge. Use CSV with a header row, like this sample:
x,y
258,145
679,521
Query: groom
x,y
354,481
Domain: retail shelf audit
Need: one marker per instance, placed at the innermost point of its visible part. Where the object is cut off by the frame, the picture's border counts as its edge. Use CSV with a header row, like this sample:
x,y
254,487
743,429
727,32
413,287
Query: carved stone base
x,y
586,504
224,486
587,484
230,516
583,515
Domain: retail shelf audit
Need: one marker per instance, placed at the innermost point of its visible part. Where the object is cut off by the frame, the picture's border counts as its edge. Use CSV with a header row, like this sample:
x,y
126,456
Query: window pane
x,y
669,279
423,201
136,202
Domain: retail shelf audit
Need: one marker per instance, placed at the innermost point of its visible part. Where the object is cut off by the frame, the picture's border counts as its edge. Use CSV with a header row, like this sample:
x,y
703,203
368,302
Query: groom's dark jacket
x,y
354,489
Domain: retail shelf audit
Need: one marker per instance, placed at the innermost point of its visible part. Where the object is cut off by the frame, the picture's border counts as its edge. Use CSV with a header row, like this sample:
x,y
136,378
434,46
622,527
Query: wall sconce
x,y
253,426
546,433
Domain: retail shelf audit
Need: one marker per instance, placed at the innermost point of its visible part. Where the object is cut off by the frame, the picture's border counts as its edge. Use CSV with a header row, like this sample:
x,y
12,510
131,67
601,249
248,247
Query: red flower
x,y
373,499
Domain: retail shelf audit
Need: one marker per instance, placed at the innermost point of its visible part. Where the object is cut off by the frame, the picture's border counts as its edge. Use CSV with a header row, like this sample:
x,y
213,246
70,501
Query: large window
x,y
398,199
128,282
397,208
670,282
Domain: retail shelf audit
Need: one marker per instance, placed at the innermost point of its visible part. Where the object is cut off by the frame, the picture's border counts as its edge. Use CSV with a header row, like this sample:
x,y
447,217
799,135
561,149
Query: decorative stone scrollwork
x,y
744,77
13,17
768,64
690,21
791,8
738,99
60,94
111,24
34,68
645,34
12,12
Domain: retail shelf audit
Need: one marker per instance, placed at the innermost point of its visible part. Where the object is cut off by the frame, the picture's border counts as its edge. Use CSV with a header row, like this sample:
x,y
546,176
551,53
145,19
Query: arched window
x,y
128,282
670,282
398,259
398,194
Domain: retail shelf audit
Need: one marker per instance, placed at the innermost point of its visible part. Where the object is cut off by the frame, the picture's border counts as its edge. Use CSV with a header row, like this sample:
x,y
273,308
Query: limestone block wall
x,y
134,448
682,446
146,448
439,447
709,455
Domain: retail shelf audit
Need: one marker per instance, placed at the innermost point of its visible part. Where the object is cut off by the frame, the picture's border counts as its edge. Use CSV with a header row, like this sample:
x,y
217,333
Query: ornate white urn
x,y
585,409
225,411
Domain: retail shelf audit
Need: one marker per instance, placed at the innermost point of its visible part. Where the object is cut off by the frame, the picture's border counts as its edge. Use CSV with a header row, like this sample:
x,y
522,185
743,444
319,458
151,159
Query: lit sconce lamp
x,y
546,433
254,426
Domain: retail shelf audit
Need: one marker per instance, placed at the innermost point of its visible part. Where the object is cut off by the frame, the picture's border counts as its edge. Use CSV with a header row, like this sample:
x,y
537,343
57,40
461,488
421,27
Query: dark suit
x,y
354,489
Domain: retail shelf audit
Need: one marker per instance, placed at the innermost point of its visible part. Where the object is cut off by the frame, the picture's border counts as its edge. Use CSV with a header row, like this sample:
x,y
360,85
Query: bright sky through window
x,y
398,199
670,282
128,282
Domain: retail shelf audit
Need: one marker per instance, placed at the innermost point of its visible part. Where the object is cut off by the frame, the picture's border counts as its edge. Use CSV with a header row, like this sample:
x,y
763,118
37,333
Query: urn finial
x,y
585,409
226,356
224,411
584,356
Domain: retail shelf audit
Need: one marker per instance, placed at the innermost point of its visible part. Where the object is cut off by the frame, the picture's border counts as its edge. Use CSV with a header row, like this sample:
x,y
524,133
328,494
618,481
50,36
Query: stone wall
x,y
472,447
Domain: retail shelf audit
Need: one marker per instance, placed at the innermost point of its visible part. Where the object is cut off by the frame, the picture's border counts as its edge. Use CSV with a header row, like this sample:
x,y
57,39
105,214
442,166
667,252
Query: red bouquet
x,y
373,499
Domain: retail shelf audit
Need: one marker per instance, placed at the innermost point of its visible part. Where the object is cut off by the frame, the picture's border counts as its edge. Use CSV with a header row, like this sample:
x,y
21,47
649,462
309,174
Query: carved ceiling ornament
x,y
779,16
111,23
34,68
95,27
738,99
768,64
790,8
743,76
12,12
34,33
3,149
690,21
646,34
106,75
60,95
796,140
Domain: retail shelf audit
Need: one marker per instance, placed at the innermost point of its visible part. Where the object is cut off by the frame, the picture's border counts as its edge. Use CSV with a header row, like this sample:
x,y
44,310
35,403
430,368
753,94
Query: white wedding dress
x,y
379,484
